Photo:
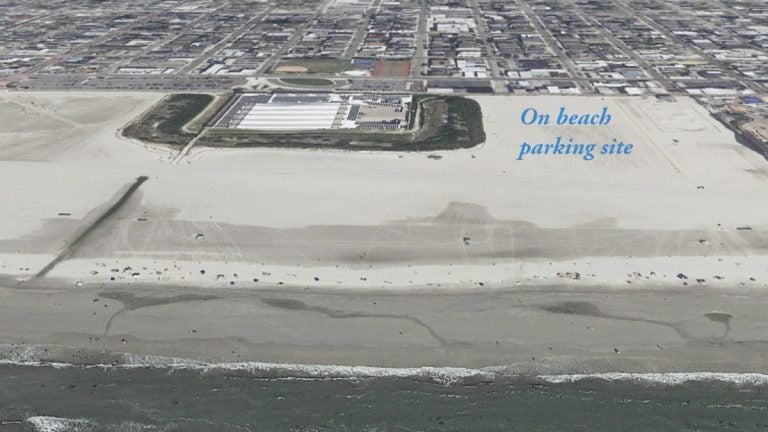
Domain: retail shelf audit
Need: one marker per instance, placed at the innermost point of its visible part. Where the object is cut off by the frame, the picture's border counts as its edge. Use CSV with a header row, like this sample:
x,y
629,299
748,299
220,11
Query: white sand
x,y
48,167
507,296
658,272
654,188
75,163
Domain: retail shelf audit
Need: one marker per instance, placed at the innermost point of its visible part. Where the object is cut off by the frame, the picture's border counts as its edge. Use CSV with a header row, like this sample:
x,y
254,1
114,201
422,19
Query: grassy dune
x,y
164,123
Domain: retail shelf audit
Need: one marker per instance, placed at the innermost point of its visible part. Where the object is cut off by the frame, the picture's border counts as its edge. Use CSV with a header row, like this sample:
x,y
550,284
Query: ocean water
x,y
267,398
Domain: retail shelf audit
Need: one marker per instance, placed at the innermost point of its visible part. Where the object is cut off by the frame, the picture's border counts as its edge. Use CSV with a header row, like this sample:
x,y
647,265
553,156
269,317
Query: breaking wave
x,y
442,375
58,424
662,378
32,356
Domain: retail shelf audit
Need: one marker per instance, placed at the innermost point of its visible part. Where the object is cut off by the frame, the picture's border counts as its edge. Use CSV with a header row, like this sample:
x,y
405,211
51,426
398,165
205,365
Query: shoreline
x,y
520,331
446,375
436,375
477,228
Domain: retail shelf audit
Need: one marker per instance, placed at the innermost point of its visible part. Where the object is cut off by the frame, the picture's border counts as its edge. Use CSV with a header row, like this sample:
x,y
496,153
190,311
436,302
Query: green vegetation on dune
x,y
448,122
165,122
437,123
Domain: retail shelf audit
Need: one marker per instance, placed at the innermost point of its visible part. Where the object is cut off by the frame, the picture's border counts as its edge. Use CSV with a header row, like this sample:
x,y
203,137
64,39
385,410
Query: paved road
x,y
22,22
224,42
82,48
566,61
114,67
362,30
711,59
619,45
484,34
421,41
295,38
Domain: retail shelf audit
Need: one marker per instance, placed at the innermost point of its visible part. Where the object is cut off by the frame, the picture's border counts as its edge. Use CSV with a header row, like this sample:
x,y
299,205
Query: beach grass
x,y
164,123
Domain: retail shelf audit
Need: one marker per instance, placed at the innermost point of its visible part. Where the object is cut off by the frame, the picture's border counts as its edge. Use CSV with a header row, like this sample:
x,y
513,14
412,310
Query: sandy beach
x,y
655,261
520,331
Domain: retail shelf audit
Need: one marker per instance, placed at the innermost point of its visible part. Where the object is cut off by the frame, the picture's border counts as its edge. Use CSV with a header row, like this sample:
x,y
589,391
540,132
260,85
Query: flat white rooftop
x,y
302,116
307,111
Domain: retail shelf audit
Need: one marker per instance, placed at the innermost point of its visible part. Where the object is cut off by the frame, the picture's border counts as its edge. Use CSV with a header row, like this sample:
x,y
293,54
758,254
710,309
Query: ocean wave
x,y
663,378
440,375
58,424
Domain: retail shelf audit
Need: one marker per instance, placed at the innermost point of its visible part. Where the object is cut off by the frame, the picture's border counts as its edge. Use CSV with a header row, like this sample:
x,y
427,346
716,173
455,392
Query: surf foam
x,y
663,378
57,424
441,375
